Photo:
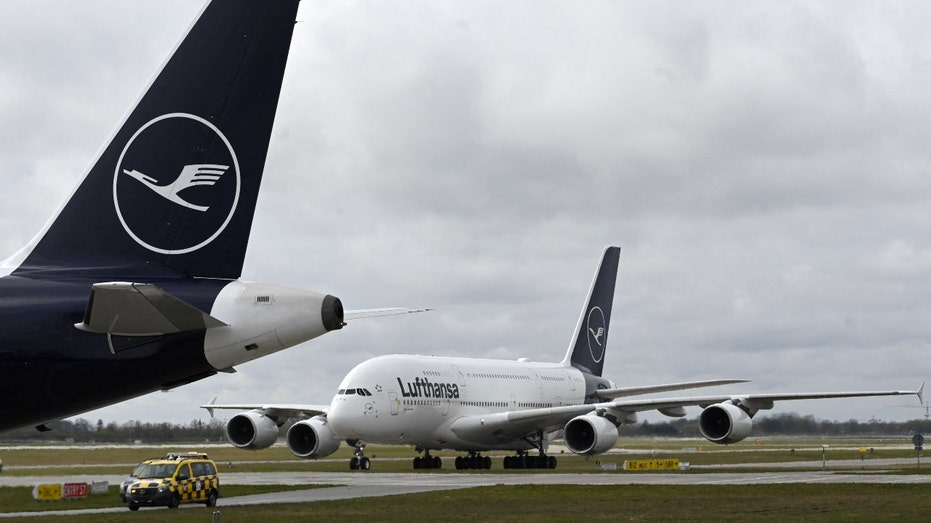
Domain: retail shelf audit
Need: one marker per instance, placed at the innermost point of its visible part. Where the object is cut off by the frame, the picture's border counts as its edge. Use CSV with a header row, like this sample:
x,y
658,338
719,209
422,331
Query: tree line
x,y
790,424
80,430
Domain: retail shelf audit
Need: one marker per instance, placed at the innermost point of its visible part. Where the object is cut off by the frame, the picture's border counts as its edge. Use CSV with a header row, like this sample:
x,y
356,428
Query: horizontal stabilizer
x,y
140,309
608,394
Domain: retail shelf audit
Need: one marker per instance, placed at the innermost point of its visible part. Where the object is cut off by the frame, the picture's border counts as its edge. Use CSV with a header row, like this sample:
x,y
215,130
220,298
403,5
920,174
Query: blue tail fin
x,y
587,350
174,191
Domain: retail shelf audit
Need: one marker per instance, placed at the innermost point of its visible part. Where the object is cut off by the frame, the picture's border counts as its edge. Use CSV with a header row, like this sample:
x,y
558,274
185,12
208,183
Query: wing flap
x,y
140,309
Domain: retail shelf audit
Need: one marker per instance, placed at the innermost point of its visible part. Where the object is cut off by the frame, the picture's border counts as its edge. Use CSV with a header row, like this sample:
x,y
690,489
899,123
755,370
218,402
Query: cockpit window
x,y
352,392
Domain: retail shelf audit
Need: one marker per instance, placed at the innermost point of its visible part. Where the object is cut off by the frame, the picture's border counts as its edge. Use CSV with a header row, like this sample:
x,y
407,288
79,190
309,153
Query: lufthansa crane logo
x,y
596,333
176,184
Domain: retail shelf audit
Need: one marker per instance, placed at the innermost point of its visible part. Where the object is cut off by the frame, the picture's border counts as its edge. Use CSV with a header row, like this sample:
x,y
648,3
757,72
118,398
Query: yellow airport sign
x,y
46,492
651,464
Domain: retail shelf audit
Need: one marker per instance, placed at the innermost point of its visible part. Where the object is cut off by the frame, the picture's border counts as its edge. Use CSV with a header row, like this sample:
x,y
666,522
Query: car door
x,y
185,482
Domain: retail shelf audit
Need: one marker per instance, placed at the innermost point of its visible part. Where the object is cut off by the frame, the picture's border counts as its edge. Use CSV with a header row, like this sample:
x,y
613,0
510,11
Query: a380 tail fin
x,y
175,189
587,349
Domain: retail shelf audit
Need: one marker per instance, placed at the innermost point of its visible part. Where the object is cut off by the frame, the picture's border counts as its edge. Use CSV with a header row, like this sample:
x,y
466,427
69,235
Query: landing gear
x,y
525,461
428,461
474,461
358,460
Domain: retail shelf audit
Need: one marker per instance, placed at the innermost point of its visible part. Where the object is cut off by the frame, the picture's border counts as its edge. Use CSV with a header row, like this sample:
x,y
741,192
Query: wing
x,y
273,410
359,314
496,428
140,309
636,391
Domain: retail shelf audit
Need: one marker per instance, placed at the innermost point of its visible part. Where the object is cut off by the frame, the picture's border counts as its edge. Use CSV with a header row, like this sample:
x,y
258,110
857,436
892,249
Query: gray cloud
x,y
764,166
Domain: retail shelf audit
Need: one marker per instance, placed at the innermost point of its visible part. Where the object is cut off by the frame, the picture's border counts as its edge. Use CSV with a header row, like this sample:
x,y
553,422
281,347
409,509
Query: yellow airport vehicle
x,y
180,478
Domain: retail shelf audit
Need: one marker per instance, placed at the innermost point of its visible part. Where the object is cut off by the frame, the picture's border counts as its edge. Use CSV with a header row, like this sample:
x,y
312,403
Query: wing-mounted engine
x,y
590,434
724,423
252,430
312,438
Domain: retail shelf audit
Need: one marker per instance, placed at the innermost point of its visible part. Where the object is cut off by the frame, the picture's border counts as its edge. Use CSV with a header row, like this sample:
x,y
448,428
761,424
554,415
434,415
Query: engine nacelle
x,y
590,435
724,423
263,318
312,438
252,430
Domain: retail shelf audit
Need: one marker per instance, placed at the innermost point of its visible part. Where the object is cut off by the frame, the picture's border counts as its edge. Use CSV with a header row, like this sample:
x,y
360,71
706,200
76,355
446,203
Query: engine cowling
x,y
312,438
252,430
724,423
590,435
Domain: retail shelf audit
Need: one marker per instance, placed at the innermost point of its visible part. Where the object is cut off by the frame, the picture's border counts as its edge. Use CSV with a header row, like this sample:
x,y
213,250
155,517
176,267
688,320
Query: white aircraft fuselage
x,y
416,400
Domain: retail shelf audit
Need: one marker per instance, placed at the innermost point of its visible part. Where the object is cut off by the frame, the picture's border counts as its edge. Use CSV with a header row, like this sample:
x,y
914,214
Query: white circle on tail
x,y
175,188
596,333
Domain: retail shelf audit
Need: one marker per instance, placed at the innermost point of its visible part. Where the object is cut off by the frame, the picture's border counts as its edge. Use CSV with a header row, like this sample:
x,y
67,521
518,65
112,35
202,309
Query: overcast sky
x,y
765,167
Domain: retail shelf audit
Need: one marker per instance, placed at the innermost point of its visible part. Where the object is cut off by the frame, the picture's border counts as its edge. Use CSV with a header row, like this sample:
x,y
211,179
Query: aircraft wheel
x,y
365,464
459,463
354,464
551,462
417,463
437,462
486,463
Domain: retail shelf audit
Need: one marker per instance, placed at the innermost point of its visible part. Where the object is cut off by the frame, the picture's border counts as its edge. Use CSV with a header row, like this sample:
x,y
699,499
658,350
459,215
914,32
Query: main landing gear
x,y
427,461
474,461
525,461
358,460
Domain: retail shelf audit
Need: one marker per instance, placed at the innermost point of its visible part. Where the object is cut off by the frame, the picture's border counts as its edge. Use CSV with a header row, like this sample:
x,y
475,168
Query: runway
x,y
351,485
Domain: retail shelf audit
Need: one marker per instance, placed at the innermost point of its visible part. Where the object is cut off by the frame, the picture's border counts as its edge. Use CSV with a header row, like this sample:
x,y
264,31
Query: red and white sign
x,y
74,490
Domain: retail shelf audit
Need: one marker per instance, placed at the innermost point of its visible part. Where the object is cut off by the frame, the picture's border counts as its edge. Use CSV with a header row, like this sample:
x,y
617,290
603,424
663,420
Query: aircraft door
x,y
393,403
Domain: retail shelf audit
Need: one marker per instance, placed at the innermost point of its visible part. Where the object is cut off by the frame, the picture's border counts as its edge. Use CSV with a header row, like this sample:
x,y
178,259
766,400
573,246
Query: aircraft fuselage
x,y
416,400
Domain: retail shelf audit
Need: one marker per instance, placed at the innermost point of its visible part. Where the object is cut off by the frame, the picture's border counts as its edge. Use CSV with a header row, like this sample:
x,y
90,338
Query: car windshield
x,y
137,470
156,471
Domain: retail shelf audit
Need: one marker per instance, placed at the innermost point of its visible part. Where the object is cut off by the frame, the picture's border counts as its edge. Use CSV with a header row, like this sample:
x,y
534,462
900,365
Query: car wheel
x,y
133,507
175,501
212,498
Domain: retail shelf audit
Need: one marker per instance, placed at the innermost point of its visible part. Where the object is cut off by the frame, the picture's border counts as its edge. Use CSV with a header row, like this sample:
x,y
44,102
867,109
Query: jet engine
x,y
312,438
724,423
590,435
252,430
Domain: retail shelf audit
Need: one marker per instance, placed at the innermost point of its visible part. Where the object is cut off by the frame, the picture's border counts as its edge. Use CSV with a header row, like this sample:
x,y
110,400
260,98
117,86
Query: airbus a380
x,y
133,286
475,405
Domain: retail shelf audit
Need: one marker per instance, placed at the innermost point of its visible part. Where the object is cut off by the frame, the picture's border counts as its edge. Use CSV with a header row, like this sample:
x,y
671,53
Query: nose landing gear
x,y
358,460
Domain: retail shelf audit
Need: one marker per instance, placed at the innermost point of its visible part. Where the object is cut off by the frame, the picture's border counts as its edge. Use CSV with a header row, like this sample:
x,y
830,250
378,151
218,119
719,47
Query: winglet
x,y
921,393
210,405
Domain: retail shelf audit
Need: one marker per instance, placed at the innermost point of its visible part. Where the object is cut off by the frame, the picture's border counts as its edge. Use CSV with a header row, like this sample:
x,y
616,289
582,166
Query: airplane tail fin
x,y
587,350
174,190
